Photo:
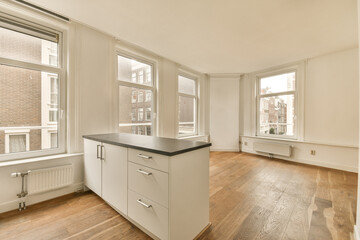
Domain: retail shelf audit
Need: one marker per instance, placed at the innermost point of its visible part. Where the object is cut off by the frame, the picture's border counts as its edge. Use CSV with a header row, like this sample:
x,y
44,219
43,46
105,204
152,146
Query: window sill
x,y
38,159
304,142
192,137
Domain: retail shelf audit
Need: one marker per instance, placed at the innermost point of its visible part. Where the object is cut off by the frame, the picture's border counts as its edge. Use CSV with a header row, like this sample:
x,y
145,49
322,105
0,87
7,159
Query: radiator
x,y
46,179
273,148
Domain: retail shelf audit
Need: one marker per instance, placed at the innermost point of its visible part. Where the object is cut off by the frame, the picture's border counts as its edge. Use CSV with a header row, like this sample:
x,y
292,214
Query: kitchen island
x,y
159,184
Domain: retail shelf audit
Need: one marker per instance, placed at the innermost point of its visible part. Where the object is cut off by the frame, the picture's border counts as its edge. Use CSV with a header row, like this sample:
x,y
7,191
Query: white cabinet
x,y
114,176
105,168
165,196
92,165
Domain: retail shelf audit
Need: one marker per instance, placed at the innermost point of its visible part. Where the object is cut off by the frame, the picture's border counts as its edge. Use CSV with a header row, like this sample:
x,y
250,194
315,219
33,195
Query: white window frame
x,y
151,88
60,70
9,133
299,69
195,97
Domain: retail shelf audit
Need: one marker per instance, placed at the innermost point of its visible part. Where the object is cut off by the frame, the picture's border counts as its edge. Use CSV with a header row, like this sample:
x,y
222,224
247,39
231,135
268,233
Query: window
x,y
148,114
148,96
31,88
133,77
54,140
136,99
141,96
140,114
187,109
133,96
17,141
276,105
148,75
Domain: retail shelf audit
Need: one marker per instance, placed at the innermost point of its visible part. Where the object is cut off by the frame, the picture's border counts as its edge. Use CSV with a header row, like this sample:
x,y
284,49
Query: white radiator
x,y
273,148
42,180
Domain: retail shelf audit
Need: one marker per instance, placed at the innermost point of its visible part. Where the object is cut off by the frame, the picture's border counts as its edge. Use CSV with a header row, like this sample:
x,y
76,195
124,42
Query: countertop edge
x,y
169,154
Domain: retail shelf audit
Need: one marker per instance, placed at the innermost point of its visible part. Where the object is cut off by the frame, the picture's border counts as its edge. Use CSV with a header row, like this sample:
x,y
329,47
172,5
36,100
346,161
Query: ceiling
x,y
222,36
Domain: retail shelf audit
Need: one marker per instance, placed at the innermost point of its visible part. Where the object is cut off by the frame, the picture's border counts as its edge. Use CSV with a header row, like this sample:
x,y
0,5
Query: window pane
x,y
186,85
133,71
279,83
27,48
17,143
28,101
134,116
54,140
277,115
186,115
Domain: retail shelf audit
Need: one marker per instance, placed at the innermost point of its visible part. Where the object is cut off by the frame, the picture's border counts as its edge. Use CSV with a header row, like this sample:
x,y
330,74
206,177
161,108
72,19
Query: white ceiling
x,y
222,36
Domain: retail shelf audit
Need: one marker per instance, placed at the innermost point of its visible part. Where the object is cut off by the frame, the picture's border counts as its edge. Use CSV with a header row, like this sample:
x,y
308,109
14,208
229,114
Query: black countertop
x,y
159,145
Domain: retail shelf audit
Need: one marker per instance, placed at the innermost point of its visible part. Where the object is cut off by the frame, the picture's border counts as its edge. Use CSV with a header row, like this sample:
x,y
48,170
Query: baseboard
x,y
310,162
356,233
32,199
224,150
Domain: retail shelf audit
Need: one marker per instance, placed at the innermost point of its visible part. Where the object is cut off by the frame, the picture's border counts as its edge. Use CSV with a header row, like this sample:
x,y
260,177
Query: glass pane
x,y
135,114
54,140
277,116
130,70
279,83
186,85
28,105
186,115
27,48
17,143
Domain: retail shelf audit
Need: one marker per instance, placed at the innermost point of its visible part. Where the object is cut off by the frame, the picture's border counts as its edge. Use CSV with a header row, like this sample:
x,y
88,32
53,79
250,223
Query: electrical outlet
x,y
245,143
313,152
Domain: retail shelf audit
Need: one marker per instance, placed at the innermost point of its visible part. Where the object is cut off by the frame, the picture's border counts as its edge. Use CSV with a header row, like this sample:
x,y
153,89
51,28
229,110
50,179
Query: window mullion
x,y
28,65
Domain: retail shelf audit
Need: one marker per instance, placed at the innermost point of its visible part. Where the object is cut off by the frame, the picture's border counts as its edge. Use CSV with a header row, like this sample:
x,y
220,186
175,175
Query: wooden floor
x,y
251,197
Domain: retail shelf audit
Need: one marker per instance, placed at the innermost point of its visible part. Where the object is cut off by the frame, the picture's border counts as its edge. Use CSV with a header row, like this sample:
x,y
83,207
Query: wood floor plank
x,y
251,197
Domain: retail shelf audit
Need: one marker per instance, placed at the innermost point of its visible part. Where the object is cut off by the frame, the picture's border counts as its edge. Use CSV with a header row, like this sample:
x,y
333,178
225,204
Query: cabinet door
x,y
92,165
114,177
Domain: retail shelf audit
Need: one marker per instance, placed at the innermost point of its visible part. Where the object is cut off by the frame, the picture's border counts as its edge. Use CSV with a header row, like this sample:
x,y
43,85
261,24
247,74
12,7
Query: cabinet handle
x,y
143,172
144,204
97,151
144,156
102,153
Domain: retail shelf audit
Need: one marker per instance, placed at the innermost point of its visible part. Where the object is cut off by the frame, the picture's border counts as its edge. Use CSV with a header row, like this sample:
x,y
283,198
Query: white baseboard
x,y
32,199
224,150
310,162
356,233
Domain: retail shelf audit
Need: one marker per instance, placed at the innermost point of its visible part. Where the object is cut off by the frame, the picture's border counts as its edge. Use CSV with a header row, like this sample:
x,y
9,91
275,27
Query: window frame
x,y
195,78
60,70
152,88
295,92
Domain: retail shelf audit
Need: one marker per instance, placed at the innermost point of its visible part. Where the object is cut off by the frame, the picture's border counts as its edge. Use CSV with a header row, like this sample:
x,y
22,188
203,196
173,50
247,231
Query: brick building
x,y
28,98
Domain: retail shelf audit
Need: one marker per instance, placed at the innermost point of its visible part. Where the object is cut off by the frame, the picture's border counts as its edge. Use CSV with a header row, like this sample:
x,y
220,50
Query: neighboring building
x,y
28,98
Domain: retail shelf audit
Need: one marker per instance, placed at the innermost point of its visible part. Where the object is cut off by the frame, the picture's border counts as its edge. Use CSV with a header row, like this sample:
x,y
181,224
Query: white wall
x,y
92,99
331,99
357,226
224,113
330,114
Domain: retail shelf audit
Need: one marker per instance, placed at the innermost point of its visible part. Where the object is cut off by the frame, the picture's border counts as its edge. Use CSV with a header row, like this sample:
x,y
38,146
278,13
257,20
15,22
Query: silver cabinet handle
x,y
144,156
102,153
97,151
144,204
143,172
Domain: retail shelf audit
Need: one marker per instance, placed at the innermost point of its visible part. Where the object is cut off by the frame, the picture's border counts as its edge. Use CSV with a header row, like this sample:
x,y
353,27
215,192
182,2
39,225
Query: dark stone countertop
x,y
159,145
